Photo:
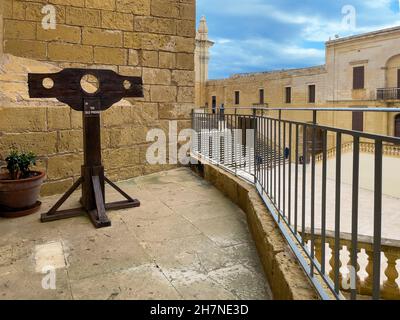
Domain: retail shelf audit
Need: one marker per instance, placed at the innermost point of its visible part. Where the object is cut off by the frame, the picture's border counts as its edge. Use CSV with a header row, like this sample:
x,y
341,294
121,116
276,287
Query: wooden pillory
x,y
66,87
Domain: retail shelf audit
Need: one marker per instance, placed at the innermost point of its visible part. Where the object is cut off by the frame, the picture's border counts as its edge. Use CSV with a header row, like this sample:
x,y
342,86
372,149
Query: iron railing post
x,y
255,146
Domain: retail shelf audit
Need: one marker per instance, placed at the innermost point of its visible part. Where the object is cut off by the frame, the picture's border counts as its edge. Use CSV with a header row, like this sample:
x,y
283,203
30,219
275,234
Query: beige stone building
x,y
360,71
154,39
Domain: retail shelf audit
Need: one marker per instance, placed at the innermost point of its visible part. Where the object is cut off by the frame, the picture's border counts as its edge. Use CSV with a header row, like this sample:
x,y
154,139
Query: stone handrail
x,y
390,288
366,147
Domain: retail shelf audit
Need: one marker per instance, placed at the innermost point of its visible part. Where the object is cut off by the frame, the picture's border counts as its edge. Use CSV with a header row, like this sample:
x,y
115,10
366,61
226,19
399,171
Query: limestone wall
x,y
1,27
149,38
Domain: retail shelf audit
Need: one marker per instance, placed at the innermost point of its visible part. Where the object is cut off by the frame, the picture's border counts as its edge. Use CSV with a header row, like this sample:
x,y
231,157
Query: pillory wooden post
x,y
67,88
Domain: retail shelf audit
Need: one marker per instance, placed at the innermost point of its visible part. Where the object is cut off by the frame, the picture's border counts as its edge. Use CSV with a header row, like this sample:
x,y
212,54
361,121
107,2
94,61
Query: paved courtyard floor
x,y
186,241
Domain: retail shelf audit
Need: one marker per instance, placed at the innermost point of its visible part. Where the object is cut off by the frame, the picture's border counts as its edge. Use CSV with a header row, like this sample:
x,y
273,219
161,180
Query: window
x,y
358,121
288,95
237,97
261,95
358,78
398,83
397,126
311,93
214,102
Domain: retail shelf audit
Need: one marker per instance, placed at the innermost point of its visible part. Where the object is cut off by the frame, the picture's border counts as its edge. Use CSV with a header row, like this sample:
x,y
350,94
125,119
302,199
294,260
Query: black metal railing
x,y
279,157
388,94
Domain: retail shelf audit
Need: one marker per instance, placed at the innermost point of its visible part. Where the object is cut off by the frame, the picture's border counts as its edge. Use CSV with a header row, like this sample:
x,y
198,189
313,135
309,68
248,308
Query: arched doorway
x,y
393,72
397,126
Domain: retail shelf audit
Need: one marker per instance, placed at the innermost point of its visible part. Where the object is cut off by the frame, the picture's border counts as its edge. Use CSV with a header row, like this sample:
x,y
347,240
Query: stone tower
x,y
202,57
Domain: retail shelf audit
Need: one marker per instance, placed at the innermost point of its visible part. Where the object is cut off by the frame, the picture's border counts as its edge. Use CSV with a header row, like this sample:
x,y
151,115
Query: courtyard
x,y
186,241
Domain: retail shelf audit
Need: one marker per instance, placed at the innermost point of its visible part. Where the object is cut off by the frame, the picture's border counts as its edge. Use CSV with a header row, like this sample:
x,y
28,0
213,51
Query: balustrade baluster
x,y
366,285
390,288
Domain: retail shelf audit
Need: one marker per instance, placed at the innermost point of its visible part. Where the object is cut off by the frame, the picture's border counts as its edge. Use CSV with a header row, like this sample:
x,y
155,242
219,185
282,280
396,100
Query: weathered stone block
x,y
172,111
184,44
50,188
116,116
132,40
69,52
116,20
62,33
75,3
76,119
155,25
164,8
100,4
7,9
163,93
26,48
70,141
33,12
186,28
149,58
130,71
187,11
127,136
83,17
64,166
156,76
133,59
186,94
110,55
101,37
120,158
137,7
22,119
58,118
21,30
18,10
185,61
157,42
41,143
183,78
167,60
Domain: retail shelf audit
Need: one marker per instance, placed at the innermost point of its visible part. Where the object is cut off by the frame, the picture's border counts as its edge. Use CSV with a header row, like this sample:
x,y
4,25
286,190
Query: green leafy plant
x,y
19,164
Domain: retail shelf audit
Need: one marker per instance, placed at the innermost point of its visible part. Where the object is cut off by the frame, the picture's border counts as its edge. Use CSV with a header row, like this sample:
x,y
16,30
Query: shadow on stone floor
x,y
186,241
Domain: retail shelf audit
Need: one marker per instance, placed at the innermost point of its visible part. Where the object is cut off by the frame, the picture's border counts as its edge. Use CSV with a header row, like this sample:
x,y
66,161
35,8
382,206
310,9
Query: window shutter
x,y
311,94
237,97
214,101
358,121
288,95
397,126
262,100
358,77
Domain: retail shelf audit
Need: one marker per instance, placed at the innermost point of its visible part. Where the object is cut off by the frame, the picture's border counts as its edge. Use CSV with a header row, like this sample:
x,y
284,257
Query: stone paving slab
x,y
186,241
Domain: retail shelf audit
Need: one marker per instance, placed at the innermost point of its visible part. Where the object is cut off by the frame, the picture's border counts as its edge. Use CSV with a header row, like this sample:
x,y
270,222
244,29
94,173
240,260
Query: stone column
x,y
202,57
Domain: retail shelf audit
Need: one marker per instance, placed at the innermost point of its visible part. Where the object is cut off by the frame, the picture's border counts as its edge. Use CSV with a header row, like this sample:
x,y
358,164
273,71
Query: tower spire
x,y
202,57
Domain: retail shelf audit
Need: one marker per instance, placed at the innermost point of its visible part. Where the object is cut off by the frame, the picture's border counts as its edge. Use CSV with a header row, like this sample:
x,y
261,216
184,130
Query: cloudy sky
x,y
261,35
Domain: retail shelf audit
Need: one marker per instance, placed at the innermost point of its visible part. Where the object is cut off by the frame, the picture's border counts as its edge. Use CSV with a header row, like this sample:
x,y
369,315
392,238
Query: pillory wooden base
x,y
66,87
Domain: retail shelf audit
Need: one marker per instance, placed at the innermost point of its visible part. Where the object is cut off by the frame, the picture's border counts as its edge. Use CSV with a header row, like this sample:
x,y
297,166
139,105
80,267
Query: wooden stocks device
x,y
66,87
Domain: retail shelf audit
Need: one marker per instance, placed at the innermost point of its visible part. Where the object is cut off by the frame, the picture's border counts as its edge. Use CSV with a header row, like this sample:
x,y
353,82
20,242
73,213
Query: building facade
x,y
360,71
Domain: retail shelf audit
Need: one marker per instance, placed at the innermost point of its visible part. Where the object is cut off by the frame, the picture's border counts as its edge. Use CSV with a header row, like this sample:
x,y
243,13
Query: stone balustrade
x,y
365,147
390,265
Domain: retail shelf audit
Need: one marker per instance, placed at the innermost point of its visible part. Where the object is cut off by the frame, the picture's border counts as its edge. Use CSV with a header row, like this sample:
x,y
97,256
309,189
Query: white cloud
x,y
261,54
265,34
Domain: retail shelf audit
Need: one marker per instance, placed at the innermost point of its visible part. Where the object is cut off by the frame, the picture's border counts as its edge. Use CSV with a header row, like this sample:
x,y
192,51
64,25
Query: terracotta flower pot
x,y
20,194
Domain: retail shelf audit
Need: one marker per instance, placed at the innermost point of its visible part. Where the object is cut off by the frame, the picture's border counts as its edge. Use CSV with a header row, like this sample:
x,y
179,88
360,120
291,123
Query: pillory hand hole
x,y
90,84
48,83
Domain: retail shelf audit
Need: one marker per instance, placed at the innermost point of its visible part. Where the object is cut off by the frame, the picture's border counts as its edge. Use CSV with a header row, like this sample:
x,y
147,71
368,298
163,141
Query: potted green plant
x,y
19,185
